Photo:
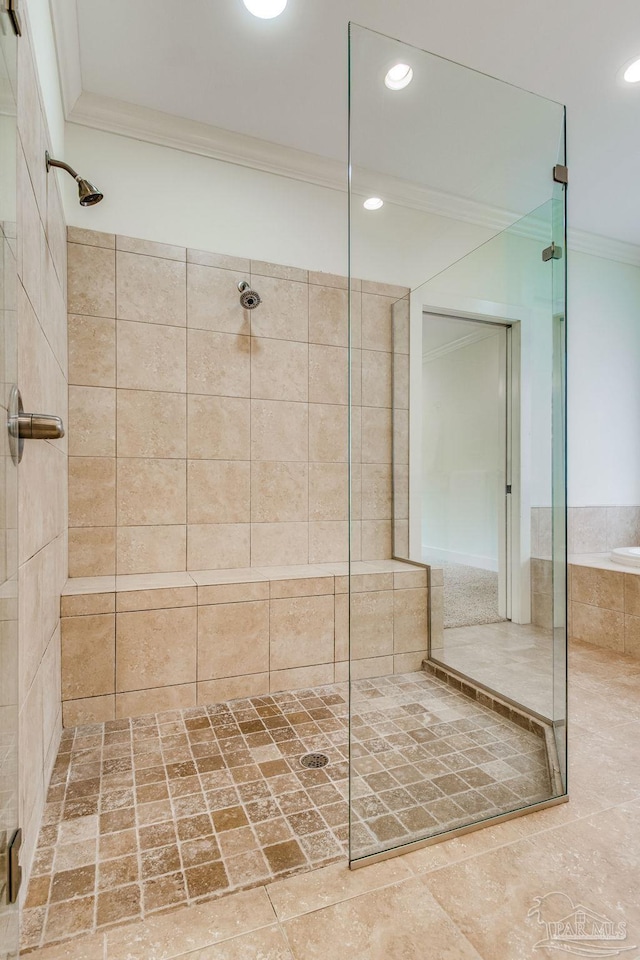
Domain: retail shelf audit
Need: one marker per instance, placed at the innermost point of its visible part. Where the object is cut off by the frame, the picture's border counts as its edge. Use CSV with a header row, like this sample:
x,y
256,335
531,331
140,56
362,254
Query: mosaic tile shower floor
x,y
149,814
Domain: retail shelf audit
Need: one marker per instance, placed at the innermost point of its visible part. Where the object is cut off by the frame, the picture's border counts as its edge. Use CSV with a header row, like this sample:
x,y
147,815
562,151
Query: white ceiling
x,y
285,80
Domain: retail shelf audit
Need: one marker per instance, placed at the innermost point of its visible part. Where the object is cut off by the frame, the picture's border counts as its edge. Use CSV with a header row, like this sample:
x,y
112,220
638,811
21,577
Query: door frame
x,y
517,506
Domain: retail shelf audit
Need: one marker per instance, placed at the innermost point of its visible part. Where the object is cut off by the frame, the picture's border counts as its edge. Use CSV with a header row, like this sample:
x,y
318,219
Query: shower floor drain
x,y
314,760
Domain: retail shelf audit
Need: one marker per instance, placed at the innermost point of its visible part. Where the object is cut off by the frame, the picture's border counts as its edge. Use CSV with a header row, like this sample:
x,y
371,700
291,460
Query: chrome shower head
x,y
87,193
249,299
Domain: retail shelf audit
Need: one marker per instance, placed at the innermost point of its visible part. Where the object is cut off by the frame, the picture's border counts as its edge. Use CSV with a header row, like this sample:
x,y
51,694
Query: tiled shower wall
x,y
42,366
203,436
590,529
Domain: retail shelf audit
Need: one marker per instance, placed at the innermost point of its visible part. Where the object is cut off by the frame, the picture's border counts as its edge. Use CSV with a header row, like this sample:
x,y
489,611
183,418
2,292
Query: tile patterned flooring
x,y
515,660
467,898
149,814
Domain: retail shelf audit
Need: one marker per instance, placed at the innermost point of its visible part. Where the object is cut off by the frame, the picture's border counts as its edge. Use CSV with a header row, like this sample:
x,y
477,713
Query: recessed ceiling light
x,y
632,73
399,76
373,203
265,9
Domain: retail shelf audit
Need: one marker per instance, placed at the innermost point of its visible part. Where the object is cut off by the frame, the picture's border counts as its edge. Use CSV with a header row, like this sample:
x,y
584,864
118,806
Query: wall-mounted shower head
x,y
87,193
249,299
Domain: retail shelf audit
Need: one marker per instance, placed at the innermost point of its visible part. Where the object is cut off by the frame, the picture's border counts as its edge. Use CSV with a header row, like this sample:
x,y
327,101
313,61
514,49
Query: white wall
x,y
175,197
604,382
164,194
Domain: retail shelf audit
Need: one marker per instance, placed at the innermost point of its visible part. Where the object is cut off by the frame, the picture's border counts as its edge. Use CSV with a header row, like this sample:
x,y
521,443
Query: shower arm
x,y
63,166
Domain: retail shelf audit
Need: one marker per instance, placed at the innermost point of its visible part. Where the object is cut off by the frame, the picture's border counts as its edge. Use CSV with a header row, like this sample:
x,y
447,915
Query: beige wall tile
x,y
603,588
233,592
284,311
376,322
301,632
151,492
409,662
233,688
92,238
400,363
319,278
87,603
156,599
92,422
328,491
233,639
623,526
206,259
92,491
587,531
140,702
410,620
341,614
376,539
376,491
436,605
604,628
213,300
261,268
301,587
376,378
632,636
271,543
371,667
91,280
279,491
376,435
279,369
218,491
218,428
150,248
218,364
89,710
88,656
150,356
631,593
400,326
155,648
328,378
151,549
300,677
372,624
151,289
217,546
279,429
390,290
329,315
92,551
328,432
407,579
92,351
328,541
151,424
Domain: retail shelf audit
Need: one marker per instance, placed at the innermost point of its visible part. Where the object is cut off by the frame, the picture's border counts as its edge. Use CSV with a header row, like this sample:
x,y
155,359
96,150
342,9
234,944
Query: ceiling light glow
x,y
265,9
399,76
632,73
373,203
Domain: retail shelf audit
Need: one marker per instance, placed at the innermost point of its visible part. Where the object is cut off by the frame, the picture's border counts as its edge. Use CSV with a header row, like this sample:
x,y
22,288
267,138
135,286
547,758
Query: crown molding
x,y
190,136
66,35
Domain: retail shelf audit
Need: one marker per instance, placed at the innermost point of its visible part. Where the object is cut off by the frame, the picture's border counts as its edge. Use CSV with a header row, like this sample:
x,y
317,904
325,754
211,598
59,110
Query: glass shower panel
x,y
9,933
457,586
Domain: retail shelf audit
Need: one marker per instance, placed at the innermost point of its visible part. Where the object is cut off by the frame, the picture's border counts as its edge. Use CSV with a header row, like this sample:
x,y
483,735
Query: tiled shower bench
x,y
141,644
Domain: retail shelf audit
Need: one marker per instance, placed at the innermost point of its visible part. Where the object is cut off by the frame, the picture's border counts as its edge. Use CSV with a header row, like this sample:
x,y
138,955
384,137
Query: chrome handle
x,y
37,426
29,426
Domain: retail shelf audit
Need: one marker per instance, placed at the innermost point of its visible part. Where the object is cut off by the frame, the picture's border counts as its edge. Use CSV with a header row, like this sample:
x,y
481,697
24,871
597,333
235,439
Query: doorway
x,y
467,483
